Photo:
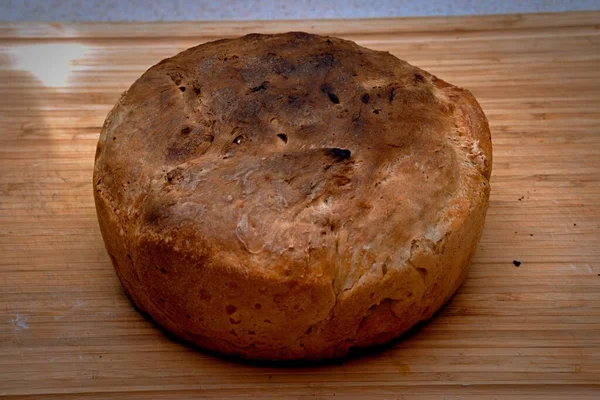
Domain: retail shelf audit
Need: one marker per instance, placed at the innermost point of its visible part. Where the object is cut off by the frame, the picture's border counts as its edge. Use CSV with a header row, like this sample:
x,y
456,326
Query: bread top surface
x,y
292,156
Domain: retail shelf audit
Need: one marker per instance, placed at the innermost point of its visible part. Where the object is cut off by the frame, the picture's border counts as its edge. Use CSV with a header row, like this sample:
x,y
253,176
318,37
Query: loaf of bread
x,y
291,196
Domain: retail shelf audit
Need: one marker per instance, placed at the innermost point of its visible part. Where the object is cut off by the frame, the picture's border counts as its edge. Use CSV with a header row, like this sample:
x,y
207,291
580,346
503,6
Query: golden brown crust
x,y
291,196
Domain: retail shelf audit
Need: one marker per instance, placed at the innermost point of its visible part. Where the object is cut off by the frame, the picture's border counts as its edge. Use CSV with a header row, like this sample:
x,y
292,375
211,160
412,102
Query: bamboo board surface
x,y
67,330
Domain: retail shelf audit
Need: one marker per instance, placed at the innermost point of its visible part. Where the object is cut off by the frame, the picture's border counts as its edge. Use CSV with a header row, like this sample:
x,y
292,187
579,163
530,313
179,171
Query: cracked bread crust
x,y
291,196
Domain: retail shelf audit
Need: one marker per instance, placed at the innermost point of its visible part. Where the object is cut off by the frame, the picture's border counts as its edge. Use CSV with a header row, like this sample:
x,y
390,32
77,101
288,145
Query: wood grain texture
x,y
67,331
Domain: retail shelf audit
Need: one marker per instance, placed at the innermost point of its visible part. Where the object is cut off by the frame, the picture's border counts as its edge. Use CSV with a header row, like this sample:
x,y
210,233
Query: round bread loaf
x,y
291,196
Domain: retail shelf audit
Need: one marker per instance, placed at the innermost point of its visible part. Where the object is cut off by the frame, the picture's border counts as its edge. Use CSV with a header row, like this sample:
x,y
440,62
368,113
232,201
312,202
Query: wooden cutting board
x,y
67,331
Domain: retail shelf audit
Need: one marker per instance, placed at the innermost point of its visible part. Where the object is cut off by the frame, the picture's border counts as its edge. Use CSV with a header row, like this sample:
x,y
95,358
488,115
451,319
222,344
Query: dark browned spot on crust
x,y
337,153
365,98
230,309
333,97
186,130
392,95
419,78
326,88
262,86
174,175
182,88
283,137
